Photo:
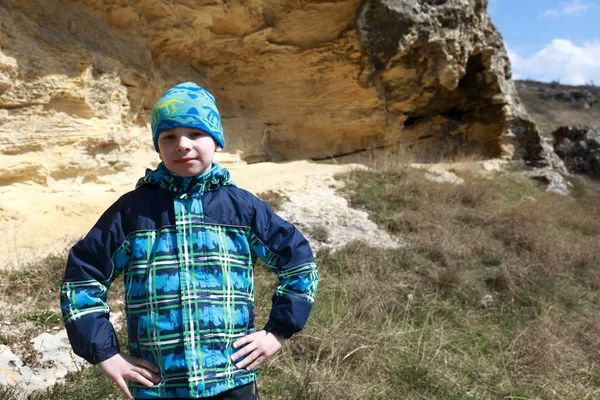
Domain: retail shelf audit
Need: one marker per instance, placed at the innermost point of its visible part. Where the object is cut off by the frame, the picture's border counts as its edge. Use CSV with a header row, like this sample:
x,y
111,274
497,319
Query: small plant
x,y
273,199
319,232
10,392
45,318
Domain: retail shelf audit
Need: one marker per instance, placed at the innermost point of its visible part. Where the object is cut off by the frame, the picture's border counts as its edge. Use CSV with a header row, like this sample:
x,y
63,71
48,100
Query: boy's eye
x,y
168,137
197,134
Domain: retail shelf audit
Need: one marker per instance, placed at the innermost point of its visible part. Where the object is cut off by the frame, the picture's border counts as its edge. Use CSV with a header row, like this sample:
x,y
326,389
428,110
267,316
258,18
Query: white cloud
x,y
515,59
570,8
562,61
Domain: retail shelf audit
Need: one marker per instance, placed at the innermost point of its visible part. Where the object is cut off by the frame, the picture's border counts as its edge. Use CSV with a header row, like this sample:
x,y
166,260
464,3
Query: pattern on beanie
x,y
190,106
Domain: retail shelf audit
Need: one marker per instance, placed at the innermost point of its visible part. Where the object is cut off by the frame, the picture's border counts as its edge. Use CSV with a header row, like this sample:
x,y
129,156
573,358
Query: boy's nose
x,y
183,143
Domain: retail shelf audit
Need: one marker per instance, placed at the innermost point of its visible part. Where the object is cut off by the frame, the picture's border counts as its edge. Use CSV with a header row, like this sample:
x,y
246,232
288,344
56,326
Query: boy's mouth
x,y
185,160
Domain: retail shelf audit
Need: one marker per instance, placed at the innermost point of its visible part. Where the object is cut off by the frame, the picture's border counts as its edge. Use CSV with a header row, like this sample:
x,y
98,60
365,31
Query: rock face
x,y
579,147
292,78
326,219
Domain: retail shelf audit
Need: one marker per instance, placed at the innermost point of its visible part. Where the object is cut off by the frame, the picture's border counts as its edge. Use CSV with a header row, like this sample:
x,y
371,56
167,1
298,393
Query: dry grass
x,y
495,297
273,199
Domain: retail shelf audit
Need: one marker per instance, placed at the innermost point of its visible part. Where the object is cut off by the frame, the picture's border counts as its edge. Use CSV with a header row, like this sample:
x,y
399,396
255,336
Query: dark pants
x,y
238,393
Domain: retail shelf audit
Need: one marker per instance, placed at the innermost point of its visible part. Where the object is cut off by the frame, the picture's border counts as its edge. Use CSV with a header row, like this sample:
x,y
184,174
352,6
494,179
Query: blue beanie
x,y
189,106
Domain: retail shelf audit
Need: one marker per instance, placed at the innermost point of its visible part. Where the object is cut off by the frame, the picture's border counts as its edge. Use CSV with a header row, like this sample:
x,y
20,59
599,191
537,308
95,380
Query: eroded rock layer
x,y
293,79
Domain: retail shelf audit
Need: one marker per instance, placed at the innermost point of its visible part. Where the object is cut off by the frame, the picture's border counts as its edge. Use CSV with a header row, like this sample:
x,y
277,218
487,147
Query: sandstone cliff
x,y
293,79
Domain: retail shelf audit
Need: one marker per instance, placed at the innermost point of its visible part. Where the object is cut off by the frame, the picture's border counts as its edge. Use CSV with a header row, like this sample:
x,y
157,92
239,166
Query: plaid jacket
x,y
187,247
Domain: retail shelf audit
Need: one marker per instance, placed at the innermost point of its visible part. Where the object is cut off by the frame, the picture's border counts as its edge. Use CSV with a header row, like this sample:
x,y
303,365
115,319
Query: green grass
x,y
494,296
46,318
89,383
37,285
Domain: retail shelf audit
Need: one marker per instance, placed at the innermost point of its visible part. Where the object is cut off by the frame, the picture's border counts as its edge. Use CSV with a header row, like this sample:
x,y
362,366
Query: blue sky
x,y
551,40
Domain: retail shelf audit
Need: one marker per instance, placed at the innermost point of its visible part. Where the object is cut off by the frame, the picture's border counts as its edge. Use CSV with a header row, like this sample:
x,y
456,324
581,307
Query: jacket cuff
x,y
110,349
104,355
278,329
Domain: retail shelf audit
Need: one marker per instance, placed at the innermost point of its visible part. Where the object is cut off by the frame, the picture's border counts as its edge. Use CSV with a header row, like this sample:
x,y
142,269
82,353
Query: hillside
x,y
493,295
551,104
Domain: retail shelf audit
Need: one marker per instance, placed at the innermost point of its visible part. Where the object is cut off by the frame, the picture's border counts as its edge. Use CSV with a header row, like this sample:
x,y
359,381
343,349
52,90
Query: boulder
x,y
56,360
579,148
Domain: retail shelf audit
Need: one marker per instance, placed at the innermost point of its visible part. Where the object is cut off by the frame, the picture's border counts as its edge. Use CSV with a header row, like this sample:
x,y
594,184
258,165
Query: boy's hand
x,y
258,347
123,366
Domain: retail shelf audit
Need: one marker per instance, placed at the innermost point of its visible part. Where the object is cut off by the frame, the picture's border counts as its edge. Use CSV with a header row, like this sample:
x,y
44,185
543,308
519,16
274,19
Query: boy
x,y
186,240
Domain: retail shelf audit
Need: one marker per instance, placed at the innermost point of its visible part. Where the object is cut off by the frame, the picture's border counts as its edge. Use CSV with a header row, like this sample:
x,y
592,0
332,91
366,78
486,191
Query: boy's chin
x,y
191,174
188,173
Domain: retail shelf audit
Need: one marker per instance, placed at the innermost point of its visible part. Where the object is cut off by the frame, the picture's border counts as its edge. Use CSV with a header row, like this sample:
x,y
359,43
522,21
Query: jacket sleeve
x,y
286,252
93,263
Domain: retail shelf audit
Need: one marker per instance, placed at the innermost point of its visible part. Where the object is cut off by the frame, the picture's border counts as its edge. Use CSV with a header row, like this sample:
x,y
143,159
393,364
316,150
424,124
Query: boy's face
x,y
186,151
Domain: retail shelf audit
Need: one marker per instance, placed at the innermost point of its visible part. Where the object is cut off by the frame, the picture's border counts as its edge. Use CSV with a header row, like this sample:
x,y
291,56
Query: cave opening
x,y
411,121
454,114
475,66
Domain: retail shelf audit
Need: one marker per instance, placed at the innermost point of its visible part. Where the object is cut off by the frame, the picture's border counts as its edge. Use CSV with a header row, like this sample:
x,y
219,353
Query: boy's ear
x,y
218,149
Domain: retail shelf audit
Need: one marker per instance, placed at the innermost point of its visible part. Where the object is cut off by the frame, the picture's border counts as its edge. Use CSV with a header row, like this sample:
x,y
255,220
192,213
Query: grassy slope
x,y
495,297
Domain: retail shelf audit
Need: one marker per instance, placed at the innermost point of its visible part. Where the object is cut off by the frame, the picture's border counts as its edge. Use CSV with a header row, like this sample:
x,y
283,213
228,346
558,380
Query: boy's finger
x,y
256,363
249,359
242,341
242,352
146,364
139,378
147,374
123,386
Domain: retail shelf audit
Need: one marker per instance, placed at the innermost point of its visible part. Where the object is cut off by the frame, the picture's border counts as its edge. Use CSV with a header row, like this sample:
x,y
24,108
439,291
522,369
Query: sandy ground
x,y
36,220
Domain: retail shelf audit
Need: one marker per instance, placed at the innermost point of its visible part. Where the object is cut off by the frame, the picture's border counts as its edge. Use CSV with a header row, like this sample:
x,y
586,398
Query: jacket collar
x,y
174,183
